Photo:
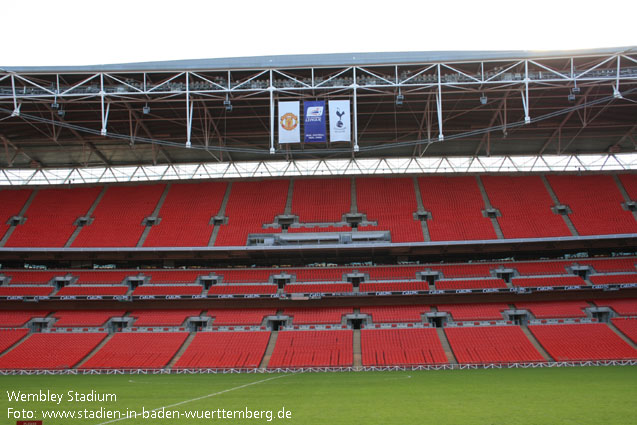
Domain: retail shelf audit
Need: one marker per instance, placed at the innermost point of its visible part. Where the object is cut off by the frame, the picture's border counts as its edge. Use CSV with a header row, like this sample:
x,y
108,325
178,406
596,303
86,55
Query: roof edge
x,y
321,60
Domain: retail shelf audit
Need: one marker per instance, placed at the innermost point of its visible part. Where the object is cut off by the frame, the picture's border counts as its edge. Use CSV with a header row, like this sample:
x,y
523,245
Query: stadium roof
x,y
409,105
319,60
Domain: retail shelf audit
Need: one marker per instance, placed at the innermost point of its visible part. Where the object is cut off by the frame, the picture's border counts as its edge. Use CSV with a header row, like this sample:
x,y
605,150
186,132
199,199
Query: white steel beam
x,y
355,85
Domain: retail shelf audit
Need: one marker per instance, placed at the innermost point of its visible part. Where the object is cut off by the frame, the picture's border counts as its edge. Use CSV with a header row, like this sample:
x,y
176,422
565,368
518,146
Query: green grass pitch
x,y
573,396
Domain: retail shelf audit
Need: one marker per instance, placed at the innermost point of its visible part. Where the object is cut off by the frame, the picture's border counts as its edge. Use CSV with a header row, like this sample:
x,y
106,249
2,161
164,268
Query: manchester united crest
x,y
289,121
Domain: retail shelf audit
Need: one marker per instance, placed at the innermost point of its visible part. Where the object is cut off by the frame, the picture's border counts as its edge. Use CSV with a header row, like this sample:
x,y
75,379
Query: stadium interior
x,y
484,213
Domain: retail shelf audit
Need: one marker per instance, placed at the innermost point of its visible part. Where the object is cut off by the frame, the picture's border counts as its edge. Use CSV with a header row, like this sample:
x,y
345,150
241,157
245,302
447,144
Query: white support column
x,y
355,85
527,117
616,93
104,110
188,112
16,107
441,137
271,89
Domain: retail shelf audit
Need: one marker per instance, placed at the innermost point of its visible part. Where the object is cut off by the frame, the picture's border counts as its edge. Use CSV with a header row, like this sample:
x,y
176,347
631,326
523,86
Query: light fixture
x,y
575,90
227,104
146,109
571,97
61,112
55,104
483,99
400,98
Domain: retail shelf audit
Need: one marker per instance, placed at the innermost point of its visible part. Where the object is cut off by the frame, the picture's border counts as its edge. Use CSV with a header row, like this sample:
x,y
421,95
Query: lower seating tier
x,y
401,347
594,341
312,349
8,337
627,326
491,344
51,351
225,350
137,350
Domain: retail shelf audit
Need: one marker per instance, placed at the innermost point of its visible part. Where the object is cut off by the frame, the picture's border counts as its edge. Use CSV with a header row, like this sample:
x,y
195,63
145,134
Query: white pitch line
x,y
200,398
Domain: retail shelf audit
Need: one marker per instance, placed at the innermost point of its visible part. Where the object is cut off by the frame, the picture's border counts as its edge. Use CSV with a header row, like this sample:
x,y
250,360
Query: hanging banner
x,y
340,123
315,121
289,125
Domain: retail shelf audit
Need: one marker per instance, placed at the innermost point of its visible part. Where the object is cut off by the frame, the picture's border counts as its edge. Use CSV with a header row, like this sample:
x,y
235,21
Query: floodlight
x,y
400,99
146,109
571,97
483,99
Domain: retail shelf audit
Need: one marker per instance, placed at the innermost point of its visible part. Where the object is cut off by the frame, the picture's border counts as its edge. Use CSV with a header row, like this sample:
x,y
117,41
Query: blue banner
x,y
315,121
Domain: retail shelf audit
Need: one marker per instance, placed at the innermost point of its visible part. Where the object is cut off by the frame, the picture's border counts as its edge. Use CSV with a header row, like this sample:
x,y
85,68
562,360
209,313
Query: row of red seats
x,y
8,337
605,279
394,286
582,342
319,229
247,316
23,291
51,216
455,203
534,282
242,289
11,202
393,347
491,344
185,215
391,202
313,348
456,206
251,204
168,290
162,317
380,347
627,326
470,283
118,218
51,351
137,350
225,350
325,315
525,205
622,306
550,309
595,202
333,315
462,312
321,200
85,317
84,290
396,314
301,288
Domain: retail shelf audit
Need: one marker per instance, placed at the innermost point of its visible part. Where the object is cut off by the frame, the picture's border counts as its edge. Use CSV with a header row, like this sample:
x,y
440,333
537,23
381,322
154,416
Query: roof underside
x,y
483,103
